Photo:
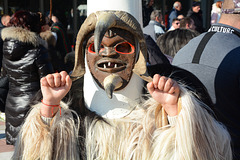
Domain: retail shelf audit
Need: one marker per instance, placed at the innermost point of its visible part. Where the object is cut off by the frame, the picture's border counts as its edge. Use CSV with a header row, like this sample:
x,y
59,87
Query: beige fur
x,y
22,35
195,136
40,141
48,37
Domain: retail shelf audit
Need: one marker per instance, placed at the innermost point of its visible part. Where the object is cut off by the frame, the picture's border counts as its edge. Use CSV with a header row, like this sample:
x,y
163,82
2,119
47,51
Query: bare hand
x,y
54,87
165,91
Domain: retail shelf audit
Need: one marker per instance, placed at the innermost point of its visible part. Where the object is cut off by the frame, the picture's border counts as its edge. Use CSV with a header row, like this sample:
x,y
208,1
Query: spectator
x,y
5,20
196,14
175,24
171,42
4,23
25,61
51,40
63,44
167,12
214,58
177,7
187,23
154,27
146,11
216,12
3,80
180,17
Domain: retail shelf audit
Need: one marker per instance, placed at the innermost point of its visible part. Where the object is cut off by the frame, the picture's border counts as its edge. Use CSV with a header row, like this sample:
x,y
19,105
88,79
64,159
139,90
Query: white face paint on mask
x,y
122,103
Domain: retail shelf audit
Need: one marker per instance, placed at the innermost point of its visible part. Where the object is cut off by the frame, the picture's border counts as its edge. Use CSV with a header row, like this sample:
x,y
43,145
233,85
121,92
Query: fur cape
x,y
196,135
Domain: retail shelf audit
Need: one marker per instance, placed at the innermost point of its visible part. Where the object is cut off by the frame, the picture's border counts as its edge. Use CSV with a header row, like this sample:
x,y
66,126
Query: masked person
x,y
115,122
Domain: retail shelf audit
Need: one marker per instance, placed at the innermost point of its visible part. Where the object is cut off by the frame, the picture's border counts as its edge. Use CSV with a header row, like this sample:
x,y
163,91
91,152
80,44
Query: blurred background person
x,y
196,14
3,80
51,39
180,17
25,61
146,11
214,58
171,42
177,7
5,21
155,27
216,12
187,23
175,24
63,45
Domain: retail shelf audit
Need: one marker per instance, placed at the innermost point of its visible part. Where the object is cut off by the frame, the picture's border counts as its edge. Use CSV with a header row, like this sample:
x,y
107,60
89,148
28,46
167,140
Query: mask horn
x,y
105,21
87,27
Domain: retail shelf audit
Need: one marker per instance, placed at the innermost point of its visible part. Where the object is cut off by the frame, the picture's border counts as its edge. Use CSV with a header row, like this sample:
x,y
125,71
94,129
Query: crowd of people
x,y
32,46
157,92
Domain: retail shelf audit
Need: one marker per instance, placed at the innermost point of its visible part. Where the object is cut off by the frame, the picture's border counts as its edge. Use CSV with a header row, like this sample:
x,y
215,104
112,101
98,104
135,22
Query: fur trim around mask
x,y
196,135
22,35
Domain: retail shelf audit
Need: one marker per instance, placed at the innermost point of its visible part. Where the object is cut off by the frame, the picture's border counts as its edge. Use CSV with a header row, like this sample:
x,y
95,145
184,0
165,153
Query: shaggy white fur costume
x,y
196,135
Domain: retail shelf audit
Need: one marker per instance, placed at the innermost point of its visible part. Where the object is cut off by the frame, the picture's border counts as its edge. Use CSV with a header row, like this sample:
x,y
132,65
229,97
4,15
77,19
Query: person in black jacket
x,y
146,11
3,80
4,23
196,14
25,61
63,46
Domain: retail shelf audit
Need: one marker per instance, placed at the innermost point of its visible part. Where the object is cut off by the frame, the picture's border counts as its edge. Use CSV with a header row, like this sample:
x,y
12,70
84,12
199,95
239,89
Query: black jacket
x,y
198,20
25,61
155,56
1,46
63,44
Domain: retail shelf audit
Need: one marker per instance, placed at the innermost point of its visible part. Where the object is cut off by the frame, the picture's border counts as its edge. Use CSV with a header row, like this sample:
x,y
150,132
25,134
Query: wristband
x,y
58,105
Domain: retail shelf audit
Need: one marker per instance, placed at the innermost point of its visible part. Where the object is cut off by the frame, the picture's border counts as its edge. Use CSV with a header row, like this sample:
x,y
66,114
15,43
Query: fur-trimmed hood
x,y
18,42
22,35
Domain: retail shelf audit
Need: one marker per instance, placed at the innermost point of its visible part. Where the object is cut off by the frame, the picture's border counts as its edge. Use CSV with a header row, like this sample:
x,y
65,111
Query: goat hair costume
x,y
139,135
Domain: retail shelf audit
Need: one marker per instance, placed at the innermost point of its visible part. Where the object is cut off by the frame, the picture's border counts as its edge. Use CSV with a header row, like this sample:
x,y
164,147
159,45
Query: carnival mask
x,y
116,56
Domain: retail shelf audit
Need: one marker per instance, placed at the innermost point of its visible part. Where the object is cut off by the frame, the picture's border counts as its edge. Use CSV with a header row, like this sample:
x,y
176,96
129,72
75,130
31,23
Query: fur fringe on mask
x,y
196,135
40,141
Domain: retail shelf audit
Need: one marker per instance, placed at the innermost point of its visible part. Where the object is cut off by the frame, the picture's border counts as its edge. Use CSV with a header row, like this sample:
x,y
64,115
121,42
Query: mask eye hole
x,y
125,48
92,50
